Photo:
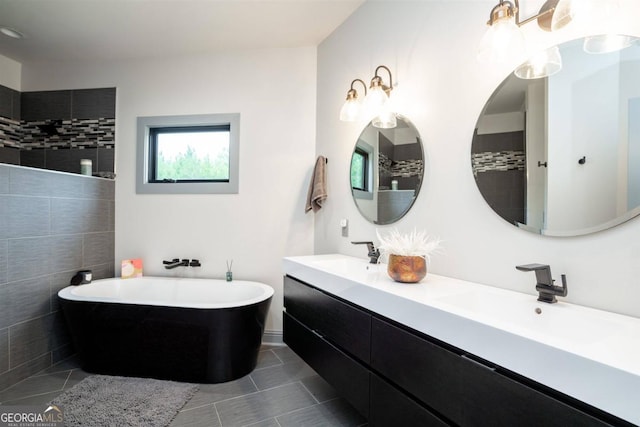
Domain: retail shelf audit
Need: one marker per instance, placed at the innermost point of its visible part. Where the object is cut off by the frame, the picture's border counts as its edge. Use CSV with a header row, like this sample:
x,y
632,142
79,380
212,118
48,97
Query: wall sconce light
x,y
504,40
351,108
376,103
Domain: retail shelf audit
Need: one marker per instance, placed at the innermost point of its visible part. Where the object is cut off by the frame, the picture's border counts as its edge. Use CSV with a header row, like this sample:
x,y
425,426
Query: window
x,y
359,169
188,154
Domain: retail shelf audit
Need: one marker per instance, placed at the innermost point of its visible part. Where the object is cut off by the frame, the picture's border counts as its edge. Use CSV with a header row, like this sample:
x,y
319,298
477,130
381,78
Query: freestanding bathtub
x,y
194,330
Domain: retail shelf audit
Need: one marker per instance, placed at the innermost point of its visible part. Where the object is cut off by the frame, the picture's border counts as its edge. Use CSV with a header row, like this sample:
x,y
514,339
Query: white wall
x,y
10,73
431,49
274,92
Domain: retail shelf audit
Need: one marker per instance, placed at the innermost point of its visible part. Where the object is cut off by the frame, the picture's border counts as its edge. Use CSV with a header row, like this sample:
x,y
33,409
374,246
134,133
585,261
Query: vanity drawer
x,y
428,372
347,376
466,391
489,398
391,407
342,324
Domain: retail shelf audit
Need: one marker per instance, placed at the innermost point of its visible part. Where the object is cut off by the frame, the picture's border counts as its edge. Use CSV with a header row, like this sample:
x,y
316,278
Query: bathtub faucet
x,y
175,263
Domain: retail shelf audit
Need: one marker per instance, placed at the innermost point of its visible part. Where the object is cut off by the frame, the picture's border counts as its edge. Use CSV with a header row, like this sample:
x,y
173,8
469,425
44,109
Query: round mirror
x,y
561,155
386,171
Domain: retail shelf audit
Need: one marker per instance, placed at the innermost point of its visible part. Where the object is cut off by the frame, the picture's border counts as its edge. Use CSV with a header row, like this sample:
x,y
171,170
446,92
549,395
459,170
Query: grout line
x,y
254,383
215,408
278,357
309,391
254,392
66,380
270,366
23,364
31,395
198,407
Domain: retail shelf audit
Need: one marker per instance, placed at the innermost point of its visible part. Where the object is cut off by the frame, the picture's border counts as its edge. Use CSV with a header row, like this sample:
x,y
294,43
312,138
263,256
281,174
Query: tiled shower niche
x,y
56,129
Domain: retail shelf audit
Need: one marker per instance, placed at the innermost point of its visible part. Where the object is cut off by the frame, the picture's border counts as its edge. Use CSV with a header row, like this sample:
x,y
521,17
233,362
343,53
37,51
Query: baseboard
x,y
272,338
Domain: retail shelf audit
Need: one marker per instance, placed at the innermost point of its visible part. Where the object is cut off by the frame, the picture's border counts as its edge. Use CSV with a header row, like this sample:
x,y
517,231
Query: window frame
x,y
147,152
365,169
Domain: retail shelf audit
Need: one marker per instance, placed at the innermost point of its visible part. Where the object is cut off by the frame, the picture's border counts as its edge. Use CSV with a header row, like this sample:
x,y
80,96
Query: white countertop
x,y
589,354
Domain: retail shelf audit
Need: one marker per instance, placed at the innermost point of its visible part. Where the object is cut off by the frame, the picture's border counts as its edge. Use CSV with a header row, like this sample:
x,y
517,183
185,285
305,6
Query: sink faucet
x,y
373,254
544,283
175,263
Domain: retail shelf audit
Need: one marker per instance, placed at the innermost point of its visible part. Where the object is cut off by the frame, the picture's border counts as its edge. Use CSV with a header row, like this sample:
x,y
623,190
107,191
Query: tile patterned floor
x,y
282,391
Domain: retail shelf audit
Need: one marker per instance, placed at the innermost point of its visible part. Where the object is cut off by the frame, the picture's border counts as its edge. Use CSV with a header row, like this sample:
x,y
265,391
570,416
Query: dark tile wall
x,y
402,162
55,129
51,225
499,165
9,103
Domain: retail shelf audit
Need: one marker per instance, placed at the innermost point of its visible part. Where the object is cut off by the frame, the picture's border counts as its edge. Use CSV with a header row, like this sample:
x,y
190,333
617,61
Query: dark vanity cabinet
x,y
314,327
396,376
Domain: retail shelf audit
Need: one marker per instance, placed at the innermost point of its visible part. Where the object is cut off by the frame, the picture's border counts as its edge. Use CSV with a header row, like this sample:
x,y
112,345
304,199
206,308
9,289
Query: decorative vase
x,y
407,269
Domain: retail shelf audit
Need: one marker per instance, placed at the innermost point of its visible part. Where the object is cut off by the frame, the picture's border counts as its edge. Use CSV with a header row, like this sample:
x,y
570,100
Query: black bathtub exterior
x,y
172,343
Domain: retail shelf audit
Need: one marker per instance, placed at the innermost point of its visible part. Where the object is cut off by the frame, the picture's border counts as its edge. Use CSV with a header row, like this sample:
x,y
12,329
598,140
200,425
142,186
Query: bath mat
x,y
101,400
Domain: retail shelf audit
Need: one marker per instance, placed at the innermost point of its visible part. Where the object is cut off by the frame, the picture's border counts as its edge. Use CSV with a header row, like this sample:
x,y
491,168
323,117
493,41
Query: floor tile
x,y
281,374
212,393
319,388
64,365
75,377
38,399
336,413
203,416
35,385
267,358
263,405
271,422
286,355
287,395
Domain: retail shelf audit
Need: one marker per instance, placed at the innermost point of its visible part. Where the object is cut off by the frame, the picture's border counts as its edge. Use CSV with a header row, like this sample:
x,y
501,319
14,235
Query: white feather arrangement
x,y
416,243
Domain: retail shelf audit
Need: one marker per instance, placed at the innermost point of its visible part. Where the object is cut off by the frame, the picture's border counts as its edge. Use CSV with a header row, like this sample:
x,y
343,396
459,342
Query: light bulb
x,y
503,42
349,110
542,64
376,98
386,119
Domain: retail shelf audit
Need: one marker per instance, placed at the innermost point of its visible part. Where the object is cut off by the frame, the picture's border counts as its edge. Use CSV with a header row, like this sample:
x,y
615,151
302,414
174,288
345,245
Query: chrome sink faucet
x,y
547,291
373,254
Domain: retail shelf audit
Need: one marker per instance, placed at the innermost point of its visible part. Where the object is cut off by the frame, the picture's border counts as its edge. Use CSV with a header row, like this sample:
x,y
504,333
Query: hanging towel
x,y
317,187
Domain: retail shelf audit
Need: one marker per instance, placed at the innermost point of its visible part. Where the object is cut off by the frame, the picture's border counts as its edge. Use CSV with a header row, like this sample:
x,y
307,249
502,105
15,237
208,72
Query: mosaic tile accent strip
x,y
498,161
74,133
399,168
10,132
407,168
384,165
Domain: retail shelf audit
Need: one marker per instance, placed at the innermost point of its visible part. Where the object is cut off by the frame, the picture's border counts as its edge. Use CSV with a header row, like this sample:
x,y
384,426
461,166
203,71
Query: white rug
x,y
101,400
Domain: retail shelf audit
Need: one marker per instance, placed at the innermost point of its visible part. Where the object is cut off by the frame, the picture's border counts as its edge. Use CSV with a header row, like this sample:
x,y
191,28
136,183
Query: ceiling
x,y
106,30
